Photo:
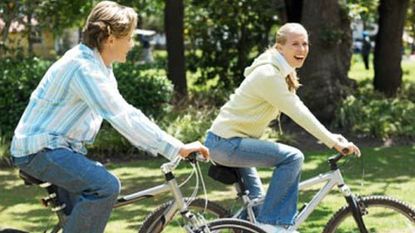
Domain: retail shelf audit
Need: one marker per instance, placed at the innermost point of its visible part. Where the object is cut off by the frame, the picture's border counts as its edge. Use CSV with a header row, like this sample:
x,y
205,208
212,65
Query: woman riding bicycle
x,y
66,111
269,89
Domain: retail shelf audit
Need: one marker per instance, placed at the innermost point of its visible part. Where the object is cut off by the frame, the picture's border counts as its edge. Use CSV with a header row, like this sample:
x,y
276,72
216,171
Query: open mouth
x,y
299,58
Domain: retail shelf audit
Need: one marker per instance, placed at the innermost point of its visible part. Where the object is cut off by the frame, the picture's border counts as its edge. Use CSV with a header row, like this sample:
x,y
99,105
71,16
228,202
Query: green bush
x,y
190,124
369,113
145,87
18,78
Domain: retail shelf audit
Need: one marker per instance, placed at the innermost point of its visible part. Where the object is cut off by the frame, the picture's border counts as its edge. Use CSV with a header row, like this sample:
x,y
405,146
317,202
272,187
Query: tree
x,y
57,15
388,49
294,9
173,25
410,23
52,15
8,12
224,37
324,74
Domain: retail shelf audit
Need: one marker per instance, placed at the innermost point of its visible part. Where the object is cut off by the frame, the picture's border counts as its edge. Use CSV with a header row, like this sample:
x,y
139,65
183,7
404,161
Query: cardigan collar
x,y
286,69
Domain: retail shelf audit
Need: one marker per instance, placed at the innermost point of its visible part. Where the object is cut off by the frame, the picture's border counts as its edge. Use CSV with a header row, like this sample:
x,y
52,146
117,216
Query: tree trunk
x,y
324,74
3,42
173,23
29,28
5,32
294,10
9,14
388,49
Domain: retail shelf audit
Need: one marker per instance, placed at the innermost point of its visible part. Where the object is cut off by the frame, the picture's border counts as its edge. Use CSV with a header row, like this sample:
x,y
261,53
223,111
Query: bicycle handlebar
x,y
336,158
192,158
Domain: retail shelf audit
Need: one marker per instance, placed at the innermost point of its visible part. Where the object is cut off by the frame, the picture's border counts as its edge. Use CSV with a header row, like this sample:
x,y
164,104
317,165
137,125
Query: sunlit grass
x,y
358,72
384,171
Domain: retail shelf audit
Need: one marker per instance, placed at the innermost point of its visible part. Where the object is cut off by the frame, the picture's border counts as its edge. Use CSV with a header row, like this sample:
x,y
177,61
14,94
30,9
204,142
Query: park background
x,y
199,50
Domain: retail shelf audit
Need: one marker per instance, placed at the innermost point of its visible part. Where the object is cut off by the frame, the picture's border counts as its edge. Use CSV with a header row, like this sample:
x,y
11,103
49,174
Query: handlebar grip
x,y
345,150
196,156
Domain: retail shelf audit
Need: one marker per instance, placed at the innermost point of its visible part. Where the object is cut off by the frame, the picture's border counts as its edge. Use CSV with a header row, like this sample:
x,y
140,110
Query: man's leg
x,y
96,188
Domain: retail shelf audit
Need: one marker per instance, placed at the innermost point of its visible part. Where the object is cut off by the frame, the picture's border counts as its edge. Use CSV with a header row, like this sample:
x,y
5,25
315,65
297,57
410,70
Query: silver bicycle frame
x,y
170,185
331,179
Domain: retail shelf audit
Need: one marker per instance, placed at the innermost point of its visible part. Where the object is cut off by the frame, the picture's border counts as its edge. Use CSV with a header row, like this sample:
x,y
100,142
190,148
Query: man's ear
x,y
110,40
278,47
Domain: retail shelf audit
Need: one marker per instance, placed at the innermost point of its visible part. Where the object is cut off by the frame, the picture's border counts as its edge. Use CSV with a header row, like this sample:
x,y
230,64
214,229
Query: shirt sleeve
x,y
100,93
274,89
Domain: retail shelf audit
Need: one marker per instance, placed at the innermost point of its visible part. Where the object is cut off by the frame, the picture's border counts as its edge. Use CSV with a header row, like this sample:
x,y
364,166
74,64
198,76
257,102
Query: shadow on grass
x,y
383,169
135,176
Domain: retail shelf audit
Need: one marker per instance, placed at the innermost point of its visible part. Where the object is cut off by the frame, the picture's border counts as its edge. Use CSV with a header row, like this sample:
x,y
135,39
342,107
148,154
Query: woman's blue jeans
x,y
280,204
88,189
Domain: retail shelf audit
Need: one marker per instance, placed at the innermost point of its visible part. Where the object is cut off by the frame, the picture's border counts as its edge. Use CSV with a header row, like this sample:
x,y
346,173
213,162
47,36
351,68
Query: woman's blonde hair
x,y
281,38
108,18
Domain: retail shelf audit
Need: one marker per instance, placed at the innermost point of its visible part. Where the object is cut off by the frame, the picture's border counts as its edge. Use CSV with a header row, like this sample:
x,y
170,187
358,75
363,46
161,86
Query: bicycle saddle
x,y
223,174
28,179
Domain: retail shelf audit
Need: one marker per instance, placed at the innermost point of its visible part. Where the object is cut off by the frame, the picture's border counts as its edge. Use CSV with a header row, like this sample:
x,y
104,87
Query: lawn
x,y
386,171
358,72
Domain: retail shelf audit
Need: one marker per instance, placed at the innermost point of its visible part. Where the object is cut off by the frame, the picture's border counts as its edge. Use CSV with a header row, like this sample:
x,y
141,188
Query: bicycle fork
x,y
357,207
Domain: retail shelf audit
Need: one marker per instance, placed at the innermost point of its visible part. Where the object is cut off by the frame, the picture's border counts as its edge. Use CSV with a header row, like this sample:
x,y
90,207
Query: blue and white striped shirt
x,y
67,107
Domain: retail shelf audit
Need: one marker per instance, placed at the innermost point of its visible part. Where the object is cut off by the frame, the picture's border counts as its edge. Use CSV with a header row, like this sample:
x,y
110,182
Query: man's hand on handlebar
x,y
196,146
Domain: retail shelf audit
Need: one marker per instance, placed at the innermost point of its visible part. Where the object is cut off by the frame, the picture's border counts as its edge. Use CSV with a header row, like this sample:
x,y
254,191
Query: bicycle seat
x,y
28,179
223,174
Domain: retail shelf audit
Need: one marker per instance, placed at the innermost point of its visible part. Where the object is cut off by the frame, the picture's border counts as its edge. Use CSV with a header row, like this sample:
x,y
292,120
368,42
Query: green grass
x,y
387,171
358,72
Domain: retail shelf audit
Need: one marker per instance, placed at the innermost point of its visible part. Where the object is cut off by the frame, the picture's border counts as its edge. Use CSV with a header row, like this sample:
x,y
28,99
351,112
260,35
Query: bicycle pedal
x,y
46,200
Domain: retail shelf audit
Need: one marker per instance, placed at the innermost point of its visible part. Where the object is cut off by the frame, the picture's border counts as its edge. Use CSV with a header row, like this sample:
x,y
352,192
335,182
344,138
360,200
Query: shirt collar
x,y
95,53
101,61
286,69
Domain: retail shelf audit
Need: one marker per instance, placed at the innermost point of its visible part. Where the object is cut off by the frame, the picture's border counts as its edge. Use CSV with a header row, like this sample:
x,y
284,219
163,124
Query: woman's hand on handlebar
x,y
347,148
196,146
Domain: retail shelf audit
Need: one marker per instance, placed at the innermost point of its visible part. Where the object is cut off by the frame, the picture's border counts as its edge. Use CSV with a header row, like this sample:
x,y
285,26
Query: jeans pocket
x,y
211,140
225,148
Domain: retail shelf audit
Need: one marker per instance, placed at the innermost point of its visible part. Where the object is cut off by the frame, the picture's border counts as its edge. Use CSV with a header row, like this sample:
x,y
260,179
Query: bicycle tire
x,y
11,230
384,214
226,225
154,222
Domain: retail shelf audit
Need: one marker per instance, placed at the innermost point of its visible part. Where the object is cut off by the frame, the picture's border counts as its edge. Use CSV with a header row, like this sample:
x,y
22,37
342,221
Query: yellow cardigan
x,y
261,97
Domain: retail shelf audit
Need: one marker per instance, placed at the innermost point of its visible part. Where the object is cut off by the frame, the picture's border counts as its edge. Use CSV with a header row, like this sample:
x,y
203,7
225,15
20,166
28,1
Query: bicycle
x,y
192,210
361,214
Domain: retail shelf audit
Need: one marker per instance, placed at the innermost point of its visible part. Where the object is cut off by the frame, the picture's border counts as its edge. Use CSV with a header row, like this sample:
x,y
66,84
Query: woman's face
x,y
295,49
117,48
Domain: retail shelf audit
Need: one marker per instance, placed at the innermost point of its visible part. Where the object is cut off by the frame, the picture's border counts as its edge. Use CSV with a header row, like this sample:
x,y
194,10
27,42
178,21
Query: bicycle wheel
x,y
11,230
232,225
155,221
381,214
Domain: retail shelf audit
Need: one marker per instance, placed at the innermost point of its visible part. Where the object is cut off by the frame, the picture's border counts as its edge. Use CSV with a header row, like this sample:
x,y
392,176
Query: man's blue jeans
x,y
88,189
280,204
